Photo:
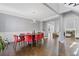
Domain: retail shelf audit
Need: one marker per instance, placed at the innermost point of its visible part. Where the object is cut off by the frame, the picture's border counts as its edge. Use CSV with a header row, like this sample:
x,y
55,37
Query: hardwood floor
x,y
61,49
49,49
52,48
69,48
34,51
72,47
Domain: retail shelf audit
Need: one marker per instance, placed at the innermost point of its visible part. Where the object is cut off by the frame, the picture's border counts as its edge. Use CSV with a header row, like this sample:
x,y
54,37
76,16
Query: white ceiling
x,y
59,7
34,11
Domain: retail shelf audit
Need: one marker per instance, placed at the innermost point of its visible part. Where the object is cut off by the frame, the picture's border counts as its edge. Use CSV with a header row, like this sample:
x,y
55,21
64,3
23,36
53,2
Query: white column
x,y
55,26
61,29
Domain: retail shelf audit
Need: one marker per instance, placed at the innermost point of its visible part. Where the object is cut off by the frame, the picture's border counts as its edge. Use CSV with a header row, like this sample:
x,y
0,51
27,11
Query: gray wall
x,y
56,24
15,24
71,20
10,25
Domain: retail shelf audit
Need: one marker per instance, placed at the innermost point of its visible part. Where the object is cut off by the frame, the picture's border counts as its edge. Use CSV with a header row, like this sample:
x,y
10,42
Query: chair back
x,y
42,35
22,37
28,38
37,37
15,38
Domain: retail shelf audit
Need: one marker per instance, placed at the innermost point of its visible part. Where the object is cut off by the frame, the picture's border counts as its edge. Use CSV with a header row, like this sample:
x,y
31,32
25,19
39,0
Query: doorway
x,y
50,27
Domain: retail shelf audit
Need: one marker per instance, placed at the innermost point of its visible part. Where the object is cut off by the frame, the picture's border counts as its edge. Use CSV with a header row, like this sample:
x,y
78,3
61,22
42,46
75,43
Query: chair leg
x,y
20,44
15,46
31,44
26,43
36,43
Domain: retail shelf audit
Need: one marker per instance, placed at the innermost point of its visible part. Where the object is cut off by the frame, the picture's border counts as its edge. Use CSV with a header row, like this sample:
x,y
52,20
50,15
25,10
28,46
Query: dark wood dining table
x,y
33,39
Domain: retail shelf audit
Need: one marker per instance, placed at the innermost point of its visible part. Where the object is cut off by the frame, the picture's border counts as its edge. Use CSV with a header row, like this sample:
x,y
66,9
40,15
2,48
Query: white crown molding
x,y
58,13
53,17
11,11
49,18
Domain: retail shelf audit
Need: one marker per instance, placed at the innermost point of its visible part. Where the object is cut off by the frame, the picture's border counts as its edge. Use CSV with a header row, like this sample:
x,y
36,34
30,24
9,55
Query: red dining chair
x,y
28,33
28,39
22,37
18,39
37,38
42,34
41,38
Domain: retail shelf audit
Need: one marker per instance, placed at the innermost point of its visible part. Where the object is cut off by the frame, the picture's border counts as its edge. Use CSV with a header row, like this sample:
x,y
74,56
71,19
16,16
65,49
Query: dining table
x,y
33,40
33,37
